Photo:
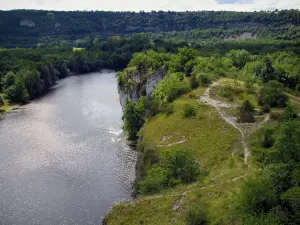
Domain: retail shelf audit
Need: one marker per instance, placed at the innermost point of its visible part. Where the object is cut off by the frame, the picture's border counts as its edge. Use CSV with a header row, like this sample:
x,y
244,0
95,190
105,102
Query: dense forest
x,y
27,28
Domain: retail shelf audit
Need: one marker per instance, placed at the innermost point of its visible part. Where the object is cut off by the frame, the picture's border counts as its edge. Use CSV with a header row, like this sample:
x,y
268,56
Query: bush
x,y
268,139
1,101
181,165
196,216
169,88
257,196
193,82
133,120
188,111
272,95
266,109
156,179
230,92
166,109
276,116
247,113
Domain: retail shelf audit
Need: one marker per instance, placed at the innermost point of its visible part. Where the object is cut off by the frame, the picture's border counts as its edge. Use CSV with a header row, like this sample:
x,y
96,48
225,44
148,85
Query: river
x,y
62,157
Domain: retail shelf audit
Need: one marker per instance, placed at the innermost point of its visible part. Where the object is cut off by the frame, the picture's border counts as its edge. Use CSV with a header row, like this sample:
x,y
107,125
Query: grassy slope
x,y
211,141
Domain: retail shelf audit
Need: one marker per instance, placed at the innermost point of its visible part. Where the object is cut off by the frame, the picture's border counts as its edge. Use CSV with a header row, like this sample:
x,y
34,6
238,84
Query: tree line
x,y
44,26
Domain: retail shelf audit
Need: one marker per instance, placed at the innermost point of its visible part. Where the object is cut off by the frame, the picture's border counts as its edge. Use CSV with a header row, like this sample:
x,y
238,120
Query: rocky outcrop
x,y
28,23
143,86
243,36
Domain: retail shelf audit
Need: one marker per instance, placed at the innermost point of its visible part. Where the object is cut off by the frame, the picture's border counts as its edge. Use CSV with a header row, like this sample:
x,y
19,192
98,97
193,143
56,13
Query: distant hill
x,y
28,27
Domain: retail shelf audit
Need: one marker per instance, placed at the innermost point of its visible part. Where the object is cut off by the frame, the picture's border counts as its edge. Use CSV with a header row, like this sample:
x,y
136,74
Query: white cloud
x,y
148,5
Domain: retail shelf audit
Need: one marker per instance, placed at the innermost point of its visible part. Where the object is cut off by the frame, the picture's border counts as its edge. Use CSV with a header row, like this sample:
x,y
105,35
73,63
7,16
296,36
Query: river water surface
x,y
62,157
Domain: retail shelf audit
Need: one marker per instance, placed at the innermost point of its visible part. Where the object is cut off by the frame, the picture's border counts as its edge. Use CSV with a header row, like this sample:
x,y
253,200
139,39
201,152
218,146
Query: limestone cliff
x,y
137,85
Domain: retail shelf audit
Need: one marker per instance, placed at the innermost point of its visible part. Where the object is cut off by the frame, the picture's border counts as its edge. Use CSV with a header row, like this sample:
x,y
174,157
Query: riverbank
x,y
7,106
227,152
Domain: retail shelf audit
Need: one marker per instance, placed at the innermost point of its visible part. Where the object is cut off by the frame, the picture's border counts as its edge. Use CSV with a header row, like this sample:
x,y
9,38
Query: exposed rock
x,y
178,203
243,36
57,25
147,85
28,23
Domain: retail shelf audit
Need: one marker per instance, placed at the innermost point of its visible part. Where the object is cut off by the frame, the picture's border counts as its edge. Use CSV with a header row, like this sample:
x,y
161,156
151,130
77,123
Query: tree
x,y
157,178
188,111
1,101
257,196
239,57
132,120
181,165
247,113
9,79
287,145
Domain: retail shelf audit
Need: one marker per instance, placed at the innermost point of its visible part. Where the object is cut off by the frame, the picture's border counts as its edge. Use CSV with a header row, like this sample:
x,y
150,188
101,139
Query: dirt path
x,y
218,105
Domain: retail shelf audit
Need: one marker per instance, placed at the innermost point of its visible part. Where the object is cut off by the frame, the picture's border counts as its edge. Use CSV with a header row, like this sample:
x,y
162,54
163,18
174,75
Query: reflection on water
x,y
62,157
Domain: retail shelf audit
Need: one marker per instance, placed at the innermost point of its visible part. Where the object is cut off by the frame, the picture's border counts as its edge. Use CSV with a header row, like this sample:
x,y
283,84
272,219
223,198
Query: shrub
x,y
188,111
229,92
181,165
132,120
205,79
276,116
266,109
156,179
268,139
1,101
196,216
177,167
193,82
247,113
298,87
257,196
169,88
166,109
272,95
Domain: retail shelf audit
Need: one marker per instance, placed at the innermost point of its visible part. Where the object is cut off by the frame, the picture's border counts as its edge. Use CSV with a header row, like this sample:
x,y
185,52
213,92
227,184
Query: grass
x,y
7,105
239,96
209,138
78,49
212,142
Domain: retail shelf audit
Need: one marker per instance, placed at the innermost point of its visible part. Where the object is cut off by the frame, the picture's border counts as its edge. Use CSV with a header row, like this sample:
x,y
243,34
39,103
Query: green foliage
x,y
262,219
193,82
177,166
188,110
133,120
268,139
196,216
272,95
157,178
287,146
247,113
1,101
239,57
182,165
257,196
169,88
183,61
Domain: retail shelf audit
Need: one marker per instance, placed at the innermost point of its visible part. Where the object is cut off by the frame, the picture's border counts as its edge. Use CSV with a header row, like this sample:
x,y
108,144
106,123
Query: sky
x,y
148,5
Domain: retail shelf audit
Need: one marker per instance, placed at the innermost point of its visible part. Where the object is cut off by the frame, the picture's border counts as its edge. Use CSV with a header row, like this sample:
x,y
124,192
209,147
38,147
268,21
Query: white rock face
x,y
28,23
150,86
243,36
153,80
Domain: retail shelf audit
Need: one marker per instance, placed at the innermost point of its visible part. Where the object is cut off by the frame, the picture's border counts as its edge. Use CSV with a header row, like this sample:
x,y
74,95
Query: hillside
x,y
212,139
26,28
